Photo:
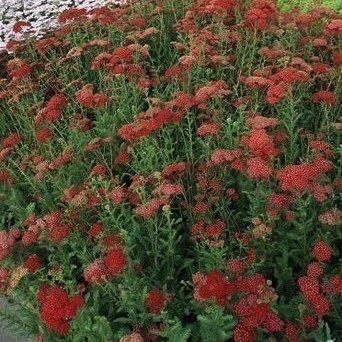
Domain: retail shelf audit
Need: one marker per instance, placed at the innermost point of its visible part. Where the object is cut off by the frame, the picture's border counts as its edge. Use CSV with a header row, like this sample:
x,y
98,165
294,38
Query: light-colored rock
x,y
42,14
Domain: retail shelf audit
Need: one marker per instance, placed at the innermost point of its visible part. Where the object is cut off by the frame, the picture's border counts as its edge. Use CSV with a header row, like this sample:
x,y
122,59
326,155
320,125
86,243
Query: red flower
x,y
95,272
335,27
272,322
276,92
155,301
209,129
258,168
236,266
72,14
11,140
95,229
33,263
59,232
86,97
309,287
336,284
150,207
115,261
311,291
174,169
315,270
117,195
309,321
43,291
56,102
261,122
75,302
320,305
213,285
31,235
111,241
323,96
291,332
17,26
123,157
220,155
57,308
296,177
319,68
255,82
260,143
244,334
322,251
44,134
23,70
168,189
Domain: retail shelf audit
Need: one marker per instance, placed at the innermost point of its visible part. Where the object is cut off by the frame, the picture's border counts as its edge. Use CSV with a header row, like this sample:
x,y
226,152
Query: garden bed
x,y
171,171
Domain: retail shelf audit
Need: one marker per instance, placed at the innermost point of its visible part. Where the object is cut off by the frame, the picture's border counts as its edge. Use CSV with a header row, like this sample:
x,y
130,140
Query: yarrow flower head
x,y
115,261
322,251
57,308
155,300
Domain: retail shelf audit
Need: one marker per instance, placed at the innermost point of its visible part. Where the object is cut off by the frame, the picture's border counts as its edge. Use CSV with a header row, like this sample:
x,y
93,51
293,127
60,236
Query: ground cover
x,y
171,171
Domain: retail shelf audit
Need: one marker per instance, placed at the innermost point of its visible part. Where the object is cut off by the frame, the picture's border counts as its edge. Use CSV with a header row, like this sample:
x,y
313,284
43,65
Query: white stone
x,y
41,14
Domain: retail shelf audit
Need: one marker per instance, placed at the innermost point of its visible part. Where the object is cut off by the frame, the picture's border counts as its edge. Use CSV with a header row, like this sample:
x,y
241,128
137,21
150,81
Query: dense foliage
x,y
171,171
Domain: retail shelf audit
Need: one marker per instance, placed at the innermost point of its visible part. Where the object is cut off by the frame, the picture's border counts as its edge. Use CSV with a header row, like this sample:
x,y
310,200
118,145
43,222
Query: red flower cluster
x,y
96,272
289,75
213,88
111,241
87,98
123,157
255,82
18,25
258,168
52,110
201,230
33,263
12,140
168,189
117,195
155,301
57,308
221,156
144,125
115,261
236,266
301,176
260,143
209,129
72,14
174,169
18,68
212,285
261,14
323,96
322,251
7,240
59,232
276,92
310,289
44,134
253,313
111,264
95,229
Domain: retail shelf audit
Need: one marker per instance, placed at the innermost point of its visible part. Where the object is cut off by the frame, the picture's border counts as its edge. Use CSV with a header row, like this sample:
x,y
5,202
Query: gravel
x,y
5,334
42,15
